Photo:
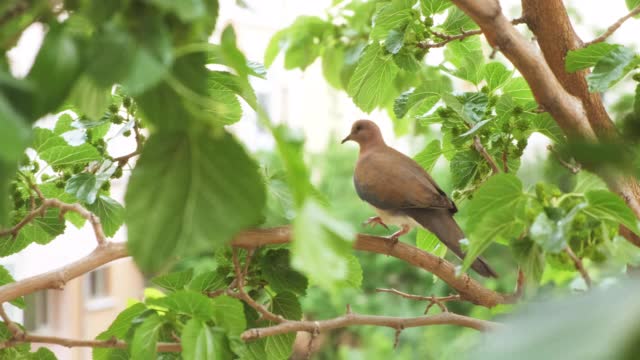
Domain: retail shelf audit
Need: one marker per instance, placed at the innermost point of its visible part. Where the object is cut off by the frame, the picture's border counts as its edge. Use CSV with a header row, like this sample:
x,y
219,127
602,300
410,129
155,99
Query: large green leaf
x,y
186,11
15,133
277,270
197,341
547,126
611,68
88,98
531,259
110,212
422,98
466,55
552,235
208,281
186,302
458,21
429,155
174,281
189,194
324,260
229,314
372,78
501,192
280,347
519,90
143,345
464,167
603,204
395,14
496,75
431,7
587,57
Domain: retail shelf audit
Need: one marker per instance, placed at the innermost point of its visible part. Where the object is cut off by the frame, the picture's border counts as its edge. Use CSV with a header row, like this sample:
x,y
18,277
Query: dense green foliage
x,y
132,69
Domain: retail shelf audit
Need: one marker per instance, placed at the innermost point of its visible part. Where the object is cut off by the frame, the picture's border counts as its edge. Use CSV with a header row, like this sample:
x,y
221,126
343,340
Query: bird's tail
x,y
441,223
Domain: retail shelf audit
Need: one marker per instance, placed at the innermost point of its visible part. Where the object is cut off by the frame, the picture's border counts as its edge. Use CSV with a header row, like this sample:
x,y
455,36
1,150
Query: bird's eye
x,y
358,128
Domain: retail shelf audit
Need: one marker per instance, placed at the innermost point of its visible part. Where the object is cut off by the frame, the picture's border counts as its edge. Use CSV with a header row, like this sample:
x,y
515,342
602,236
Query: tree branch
x,y
433,300
615,26
480,149
573,168
449,38
468,288
579,266
352,319
113,343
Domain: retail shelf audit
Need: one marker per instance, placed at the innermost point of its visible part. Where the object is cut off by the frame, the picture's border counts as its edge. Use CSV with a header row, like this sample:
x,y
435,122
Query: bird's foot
x,y
395,237
375,220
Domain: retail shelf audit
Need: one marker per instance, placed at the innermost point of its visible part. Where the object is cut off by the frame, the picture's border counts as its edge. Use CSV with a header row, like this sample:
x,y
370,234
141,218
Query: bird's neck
x,y
372,146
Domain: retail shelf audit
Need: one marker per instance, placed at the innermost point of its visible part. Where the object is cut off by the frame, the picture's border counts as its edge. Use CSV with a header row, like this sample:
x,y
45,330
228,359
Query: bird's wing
x,y
387,179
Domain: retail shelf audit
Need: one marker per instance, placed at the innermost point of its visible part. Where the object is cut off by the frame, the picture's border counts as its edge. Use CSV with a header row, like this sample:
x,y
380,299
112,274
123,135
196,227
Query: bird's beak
x,y
346,139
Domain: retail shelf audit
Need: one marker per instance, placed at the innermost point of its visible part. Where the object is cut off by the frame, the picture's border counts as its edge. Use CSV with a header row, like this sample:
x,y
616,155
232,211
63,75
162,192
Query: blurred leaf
x,y
225,195
372,78
120,326
519,90
280,347
174,281
278,40
603,204
197,341
611,68
187,302
395,14
632,4
587,57
496,75
6,278
278,272
431,7
587,181
552,235
394,41
229,314
15,134
208,281
143,345
291,150
547,126
464,167
325,259
332,64
42,354
531,259
186,10
7,172
234,84
55,70
457,21
429,155
466,55
581,328
91,100
110,212
426,240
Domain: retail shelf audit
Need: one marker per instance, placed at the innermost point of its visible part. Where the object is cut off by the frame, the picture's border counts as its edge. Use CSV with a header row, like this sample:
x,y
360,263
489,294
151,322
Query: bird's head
x,y
365,133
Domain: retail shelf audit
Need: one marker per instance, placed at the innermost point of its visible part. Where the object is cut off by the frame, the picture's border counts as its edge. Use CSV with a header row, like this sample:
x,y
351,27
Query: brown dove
x,y
403,193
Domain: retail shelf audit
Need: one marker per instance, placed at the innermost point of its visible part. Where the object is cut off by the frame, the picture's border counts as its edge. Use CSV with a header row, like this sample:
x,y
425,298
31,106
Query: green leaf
x,y
110,212
551,235
277,270
354,274
302,47
632,4
7,173
547,126
223,107
431,7
42,354
394,41
587,57
143,345
332,65
406,60
84,187
6,278
519,90
174,281
422,99
496,75
499,192
611,68
187,302
197,341
234,84
464,167
225,195
603,204
43,229
587,181
429,242
278,40
531,259
88,98
325,259
466,55
208,281
429,155
55,70
122,323
393,15
229,314
291,150
186,10
457,21
15,134
280,347
372,78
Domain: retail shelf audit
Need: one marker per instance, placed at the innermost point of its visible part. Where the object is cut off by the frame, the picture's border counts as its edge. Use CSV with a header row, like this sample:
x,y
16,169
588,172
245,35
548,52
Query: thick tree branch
x,y
611,29
114,344
57,278
468,288
356,319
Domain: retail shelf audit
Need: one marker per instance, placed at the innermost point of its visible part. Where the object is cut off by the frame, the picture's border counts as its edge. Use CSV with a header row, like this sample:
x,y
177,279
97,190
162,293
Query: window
x,y
98,286
36,313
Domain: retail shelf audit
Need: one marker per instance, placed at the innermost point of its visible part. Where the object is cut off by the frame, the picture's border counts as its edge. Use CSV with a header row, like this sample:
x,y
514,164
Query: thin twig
x,y
480,149
433,300
290,326
579,266
463,35
573,168
16,332
70,343
611,29
64,207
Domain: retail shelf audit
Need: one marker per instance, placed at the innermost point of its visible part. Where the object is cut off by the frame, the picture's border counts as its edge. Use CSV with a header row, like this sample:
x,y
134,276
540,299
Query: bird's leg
x,y
375,220
394,237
